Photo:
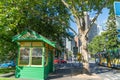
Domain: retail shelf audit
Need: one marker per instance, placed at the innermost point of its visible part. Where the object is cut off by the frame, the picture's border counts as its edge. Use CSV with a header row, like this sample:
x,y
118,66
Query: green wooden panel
x,y
35,73
49,68
46,69
50,62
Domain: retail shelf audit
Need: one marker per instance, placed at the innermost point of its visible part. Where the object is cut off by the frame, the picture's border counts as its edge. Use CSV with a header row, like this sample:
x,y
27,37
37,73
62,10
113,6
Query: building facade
x,y
93,32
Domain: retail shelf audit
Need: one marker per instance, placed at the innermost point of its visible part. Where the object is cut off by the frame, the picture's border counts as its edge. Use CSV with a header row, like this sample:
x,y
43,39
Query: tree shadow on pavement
x,y
77,70
66,72
59,73
99,69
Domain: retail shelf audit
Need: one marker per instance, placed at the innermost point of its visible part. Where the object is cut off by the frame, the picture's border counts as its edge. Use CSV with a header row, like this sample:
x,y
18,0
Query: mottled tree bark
x,y
83,28
84,51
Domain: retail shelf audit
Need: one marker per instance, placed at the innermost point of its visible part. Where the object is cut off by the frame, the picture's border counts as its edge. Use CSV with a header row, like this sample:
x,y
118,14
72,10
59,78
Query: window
x,y
24,56
30,53
30,56
37,56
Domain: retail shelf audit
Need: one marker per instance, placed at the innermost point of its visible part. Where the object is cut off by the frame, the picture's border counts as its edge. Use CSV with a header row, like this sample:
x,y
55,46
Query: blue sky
x,y
102,18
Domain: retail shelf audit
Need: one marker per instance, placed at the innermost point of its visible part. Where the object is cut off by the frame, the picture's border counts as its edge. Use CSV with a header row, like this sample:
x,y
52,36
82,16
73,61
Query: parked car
x,y
56,61
63,61
7,64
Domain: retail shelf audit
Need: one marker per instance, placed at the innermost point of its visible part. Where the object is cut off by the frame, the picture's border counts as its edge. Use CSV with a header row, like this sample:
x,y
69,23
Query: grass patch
x,y
6,70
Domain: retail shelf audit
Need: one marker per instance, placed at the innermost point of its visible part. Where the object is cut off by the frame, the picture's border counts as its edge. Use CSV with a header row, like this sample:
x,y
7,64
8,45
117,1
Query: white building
x,y
68,46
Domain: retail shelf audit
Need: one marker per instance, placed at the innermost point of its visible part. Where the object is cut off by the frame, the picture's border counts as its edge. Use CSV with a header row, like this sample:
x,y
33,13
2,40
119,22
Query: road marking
x,y
115,78
111,77
117,75
106,79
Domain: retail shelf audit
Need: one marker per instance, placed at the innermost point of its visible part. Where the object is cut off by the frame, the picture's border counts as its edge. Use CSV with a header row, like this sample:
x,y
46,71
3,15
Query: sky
x,y
103,17
101,20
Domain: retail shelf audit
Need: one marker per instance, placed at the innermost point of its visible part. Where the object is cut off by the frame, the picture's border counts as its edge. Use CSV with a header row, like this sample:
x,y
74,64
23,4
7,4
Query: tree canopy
x,y
79,9
49,18
107,40
46,17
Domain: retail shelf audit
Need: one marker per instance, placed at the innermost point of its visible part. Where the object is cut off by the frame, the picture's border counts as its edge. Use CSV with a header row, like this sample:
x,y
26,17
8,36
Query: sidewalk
x,y
68,72
72,71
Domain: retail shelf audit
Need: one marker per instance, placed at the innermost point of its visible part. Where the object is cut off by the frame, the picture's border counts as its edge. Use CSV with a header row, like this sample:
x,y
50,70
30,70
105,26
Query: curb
x,y
7,74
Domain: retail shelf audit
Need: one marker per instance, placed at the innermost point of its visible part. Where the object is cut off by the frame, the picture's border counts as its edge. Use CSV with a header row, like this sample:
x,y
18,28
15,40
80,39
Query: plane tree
x,y
78,9
46,16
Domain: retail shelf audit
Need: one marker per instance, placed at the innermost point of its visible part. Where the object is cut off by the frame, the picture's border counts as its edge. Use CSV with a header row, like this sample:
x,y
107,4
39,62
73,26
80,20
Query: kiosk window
x,y
24,56
36,56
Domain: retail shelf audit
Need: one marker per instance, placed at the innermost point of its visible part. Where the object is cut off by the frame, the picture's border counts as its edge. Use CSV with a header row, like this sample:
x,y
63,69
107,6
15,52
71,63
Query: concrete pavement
x,y
72,71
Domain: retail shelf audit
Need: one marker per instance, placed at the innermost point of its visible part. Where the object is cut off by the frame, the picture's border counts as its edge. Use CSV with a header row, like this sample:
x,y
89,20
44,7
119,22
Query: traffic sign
x,y
117,14
117,8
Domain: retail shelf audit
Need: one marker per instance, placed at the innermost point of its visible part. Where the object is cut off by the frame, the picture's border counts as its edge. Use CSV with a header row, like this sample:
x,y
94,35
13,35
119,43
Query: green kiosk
x,y
35,56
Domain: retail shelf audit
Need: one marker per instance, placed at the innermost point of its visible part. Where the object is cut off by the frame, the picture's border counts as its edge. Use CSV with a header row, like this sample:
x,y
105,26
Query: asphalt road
x,y
104,72
68,71
71,69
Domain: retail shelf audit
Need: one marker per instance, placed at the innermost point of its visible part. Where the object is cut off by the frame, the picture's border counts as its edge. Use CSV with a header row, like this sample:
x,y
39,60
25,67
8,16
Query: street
x,y
72,71
105,73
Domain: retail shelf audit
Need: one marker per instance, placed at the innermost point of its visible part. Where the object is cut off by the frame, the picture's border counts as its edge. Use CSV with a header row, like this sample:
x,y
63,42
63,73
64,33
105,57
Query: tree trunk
x,y
84,51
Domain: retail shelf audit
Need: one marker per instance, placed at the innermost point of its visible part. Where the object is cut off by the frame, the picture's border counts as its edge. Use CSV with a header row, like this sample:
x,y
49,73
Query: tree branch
x,y
72,9
65,4
72,30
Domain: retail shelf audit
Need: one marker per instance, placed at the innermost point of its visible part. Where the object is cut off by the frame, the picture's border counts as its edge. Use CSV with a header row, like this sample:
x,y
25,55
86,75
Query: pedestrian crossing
x,y
110,76
107,73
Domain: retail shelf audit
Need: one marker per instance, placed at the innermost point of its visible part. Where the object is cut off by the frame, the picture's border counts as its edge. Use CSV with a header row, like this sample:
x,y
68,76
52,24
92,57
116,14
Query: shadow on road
x,y
74,69
67,70
102,69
